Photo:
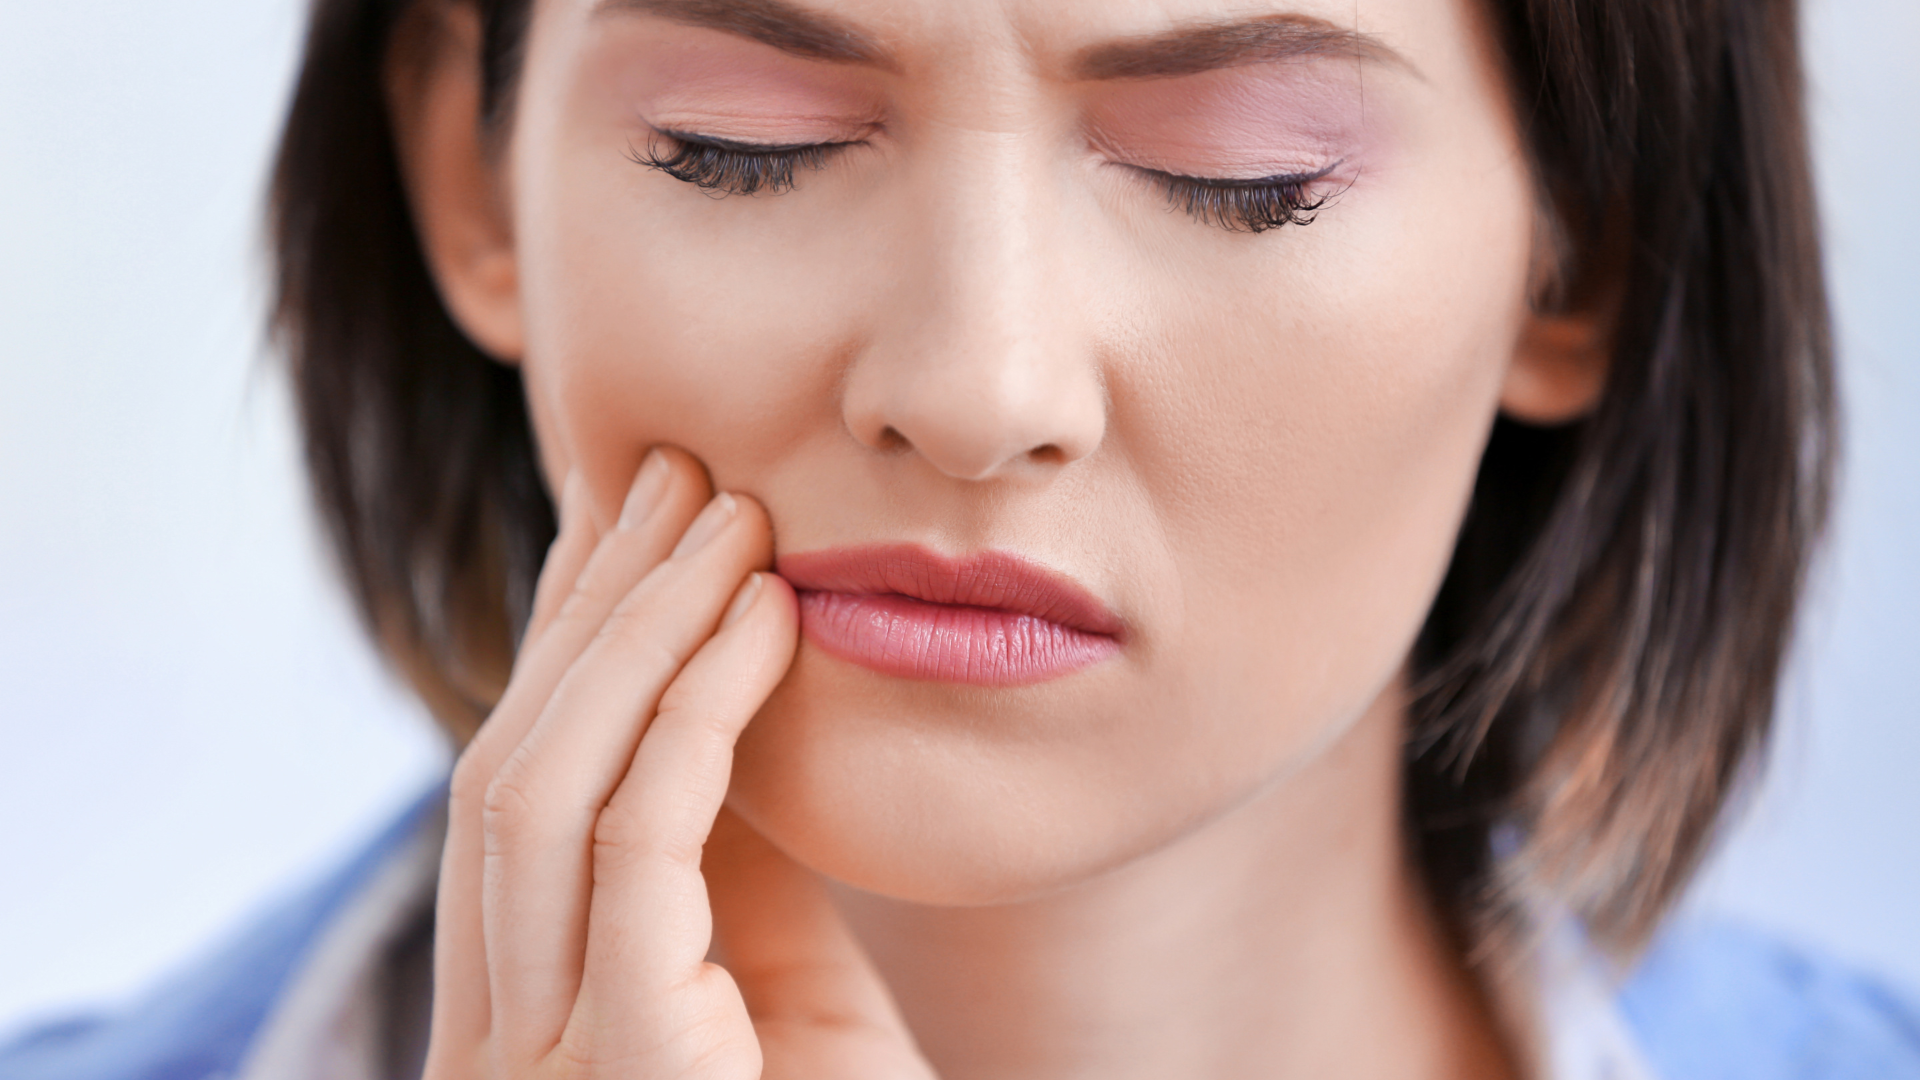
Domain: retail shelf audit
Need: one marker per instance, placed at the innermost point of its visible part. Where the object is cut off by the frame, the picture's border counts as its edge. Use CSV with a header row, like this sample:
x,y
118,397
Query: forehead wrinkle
x,y
1191,50
785,26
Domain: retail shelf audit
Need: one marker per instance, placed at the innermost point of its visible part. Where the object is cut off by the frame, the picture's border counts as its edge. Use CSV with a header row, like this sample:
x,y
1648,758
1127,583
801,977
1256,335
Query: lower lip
x,y
912,639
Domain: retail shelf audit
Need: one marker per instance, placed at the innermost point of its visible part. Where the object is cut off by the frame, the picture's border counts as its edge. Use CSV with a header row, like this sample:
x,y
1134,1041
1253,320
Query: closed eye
x,y
724,167
1253,205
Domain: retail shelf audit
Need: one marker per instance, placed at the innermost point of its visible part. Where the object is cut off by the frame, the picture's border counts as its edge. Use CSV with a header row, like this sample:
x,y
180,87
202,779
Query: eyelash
x,y
721,167
1252,206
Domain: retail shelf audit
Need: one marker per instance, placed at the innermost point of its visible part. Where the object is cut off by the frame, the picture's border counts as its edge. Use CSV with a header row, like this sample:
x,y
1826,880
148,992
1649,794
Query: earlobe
x,y
452,177
1564,350
1559,368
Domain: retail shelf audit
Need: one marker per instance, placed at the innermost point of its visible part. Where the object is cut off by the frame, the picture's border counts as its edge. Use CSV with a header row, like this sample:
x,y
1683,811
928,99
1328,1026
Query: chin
x,y
946,795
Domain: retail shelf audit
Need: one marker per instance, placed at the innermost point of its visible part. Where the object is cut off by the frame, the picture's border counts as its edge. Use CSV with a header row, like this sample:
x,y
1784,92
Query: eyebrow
x,y
1187,50
1191,50
787,27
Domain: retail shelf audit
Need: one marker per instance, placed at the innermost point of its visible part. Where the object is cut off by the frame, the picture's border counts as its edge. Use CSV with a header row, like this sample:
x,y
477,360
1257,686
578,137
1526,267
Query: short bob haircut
x,y
1598,673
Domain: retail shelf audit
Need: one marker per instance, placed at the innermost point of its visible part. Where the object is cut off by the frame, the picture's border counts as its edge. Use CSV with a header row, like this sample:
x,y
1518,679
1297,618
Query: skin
x,y
983,327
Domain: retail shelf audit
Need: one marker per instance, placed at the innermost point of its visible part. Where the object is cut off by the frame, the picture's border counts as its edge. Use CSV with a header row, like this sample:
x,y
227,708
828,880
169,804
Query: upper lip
x,y
998,580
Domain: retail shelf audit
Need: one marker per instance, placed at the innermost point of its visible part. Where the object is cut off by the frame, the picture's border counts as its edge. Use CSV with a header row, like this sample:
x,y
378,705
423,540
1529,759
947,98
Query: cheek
x,y
645,327
1322,418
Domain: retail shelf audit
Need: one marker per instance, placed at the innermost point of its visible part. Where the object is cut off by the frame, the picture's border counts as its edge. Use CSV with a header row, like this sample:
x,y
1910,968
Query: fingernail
x,y
648,487
742,600
708,525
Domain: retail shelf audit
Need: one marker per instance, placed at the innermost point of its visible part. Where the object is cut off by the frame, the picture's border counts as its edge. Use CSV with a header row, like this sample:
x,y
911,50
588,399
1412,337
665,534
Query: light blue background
x,y
190,722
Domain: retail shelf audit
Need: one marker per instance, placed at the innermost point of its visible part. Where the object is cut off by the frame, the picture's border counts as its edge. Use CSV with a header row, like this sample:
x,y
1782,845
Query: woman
x,y
1049,538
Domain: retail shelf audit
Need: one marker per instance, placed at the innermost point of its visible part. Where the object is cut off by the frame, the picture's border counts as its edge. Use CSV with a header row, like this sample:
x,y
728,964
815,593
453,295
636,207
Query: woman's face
x,y
992,319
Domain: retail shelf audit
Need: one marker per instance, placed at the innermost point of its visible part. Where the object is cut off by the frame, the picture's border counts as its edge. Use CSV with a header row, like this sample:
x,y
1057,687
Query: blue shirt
x,y
1709,1002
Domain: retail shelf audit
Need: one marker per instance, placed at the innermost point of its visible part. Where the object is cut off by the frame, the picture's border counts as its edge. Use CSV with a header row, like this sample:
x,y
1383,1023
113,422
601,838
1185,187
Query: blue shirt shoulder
x,y
200,1023
1718,1001
1711,1001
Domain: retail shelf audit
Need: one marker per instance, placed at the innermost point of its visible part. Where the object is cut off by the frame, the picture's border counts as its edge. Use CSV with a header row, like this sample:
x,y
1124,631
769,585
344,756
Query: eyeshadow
x,y
684,78
1242,122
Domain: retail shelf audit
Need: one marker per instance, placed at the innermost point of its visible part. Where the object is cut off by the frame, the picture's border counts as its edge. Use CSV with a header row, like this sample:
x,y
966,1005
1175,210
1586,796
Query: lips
x,y
988,619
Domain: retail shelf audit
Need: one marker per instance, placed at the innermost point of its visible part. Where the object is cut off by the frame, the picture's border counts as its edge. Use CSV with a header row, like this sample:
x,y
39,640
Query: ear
x,y
453,173
1559,367
1562,355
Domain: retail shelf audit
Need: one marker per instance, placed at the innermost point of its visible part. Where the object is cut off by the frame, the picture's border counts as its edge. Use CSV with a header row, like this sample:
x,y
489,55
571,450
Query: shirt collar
x,y
1579,1030
326,1023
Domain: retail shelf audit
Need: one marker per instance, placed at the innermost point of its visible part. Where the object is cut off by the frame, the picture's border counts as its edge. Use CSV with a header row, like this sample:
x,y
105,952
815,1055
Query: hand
x,y
574,921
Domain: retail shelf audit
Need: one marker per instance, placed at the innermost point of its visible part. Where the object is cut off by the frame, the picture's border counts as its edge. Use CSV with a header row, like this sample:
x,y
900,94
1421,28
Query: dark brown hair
x,y
1599,669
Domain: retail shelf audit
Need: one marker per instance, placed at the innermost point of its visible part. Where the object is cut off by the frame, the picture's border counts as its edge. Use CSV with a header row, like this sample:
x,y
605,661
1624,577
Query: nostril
x,y
1049,454
892,440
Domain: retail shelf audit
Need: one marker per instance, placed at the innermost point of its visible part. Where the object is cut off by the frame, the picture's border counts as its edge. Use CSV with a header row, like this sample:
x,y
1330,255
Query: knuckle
x,y
582,600
708,727
637,635
508,809
629,622
472,772
619,841
702,736
624,839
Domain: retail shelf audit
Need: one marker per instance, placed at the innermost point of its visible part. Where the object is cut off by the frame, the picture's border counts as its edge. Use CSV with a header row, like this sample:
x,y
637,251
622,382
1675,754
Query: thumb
x,y
814,996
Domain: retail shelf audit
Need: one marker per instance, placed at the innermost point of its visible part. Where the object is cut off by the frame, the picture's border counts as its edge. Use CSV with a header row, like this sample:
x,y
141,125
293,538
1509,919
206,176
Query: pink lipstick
x,y
989,619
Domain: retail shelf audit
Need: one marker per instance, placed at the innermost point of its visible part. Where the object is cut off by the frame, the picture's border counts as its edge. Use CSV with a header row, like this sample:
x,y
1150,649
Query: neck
x,y
1288,938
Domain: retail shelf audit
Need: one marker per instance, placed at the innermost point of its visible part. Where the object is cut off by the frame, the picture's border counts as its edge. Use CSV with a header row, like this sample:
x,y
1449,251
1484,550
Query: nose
x,y
983,364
